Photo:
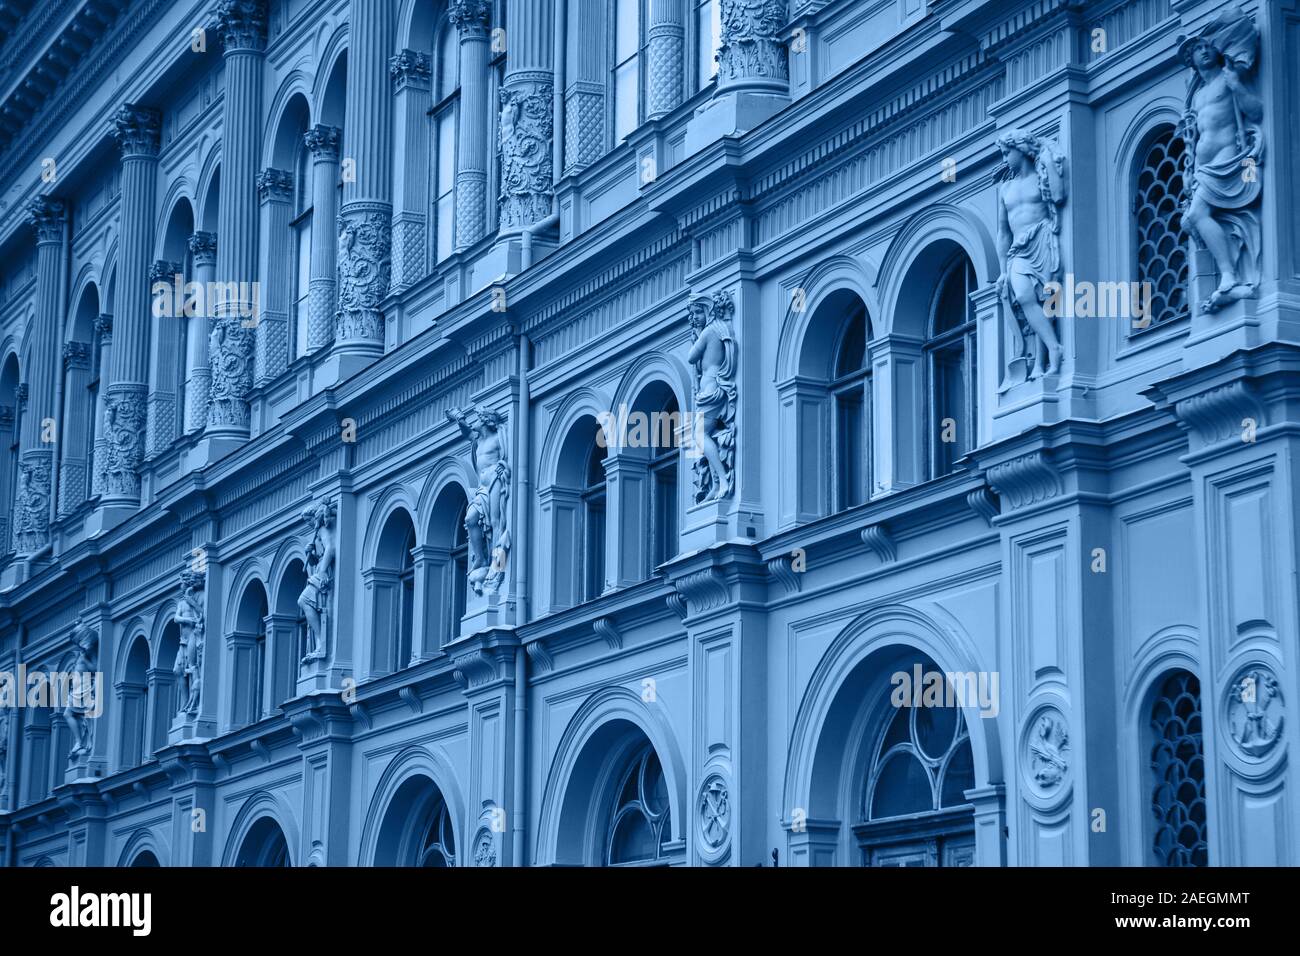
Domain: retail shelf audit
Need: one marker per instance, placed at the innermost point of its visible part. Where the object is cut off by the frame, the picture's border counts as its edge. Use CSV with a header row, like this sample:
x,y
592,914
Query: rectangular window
x,y
595,529
302,283
708,31
627,82
664,518
850,485
445,182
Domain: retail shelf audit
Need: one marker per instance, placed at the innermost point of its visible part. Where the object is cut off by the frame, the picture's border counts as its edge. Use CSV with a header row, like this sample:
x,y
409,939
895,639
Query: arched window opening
x,y
133,699
9,431
1160,244
247,647
639,821
593,512
1178,801
437,846
391,584
406,577
625,68
264,846
664,532
950,365
459,573
851,412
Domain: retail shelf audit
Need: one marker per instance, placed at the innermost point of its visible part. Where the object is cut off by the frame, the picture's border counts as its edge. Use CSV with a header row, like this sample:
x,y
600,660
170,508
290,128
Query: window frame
x,y
935,344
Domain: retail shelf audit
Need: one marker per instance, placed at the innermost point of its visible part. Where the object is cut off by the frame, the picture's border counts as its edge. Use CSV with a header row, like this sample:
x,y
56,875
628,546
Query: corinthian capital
x,y
242,24
46,215
136,129
410,68
323,141
469,16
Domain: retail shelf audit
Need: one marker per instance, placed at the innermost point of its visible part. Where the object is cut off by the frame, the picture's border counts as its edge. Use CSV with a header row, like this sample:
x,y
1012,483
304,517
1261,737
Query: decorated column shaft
x,y
585,80
752,53
77,360
526,124
666,56
243,33
137,132
166,316
104,342
365,221
411,72
322,290
277,259
470,17
36,457
198,372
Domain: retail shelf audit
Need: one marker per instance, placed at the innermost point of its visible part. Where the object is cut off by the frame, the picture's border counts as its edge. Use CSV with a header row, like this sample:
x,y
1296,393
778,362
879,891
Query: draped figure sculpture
x,y
714,358
487,518
314,599
188,667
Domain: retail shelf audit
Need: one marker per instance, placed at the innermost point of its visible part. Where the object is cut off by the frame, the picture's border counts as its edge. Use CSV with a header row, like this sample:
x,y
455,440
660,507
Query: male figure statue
x,y
486,520
314,599
713,356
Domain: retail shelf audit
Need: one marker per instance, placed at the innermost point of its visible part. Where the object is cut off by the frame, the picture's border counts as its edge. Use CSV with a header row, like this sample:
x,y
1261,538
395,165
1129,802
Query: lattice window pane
x,y
1178,773
1159,239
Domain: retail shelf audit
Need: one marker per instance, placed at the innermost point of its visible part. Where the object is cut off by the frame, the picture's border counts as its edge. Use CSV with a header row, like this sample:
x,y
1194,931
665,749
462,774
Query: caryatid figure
x,y
188,667
487,518
1032,190
714,358
1226,144
314,599
81,705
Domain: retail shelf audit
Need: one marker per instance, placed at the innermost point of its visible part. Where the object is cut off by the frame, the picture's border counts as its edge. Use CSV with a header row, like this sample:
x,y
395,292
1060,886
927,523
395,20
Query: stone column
x,y
585,82
526,124
470,18
242,24
322,291
104,341
198,374
76,426
38,430
276,265
164,347
753,72
665,57
366,230
411,72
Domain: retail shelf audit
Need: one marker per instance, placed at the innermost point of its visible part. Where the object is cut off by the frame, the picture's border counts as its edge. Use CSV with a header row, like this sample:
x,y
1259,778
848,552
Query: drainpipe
x,y
523,440
65,277
529,231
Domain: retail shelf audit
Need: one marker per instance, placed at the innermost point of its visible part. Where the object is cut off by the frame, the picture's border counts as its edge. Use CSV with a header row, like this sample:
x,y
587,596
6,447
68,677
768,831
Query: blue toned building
x,y
578,432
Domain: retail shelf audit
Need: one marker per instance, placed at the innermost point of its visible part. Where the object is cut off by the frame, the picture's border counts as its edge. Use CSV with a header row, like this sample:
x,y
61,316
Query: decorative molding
x,y
485,848
469,16
322,142
542,659
676,603
1221,413
411,699
1025,480
781,568
713,816
606,631
984,503
275,184
881,542
474,668
1255,711
752,45
702,590
137,130
1047,751
526,130
242,24
47,217
410,69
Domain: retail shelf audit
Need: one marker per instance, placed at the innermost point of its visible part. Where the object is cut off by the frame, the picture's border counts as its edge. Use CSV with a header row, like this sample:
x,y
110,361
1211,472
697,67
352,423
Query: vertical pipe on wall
x,y
523,433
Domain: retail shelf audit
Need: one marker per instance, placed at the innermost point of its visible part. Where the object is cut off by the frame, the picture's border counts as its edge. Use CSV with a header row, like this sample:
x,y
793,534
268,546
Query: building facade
x,y
553,432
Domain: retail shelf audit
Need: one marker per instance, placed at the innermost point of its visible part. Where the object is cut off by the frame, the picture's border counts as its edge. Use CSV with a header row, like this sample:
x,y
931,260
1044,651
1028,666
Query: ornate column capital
x,y
469,16
203,247
104,328
137,130
242,25
323,142
46,215
275,185
410,69
76,355
752,47
160,270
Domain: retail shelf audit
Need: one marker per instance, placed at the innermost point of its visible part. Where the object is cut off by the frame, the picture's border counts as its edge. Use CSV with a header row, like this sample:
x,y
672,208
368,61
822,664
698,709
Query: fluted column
x,y
322,290
665,57
164,361
584,84
277,261
198,373
242,24
366,228
104,342
411,73
526,123
470,17
137,131
38,431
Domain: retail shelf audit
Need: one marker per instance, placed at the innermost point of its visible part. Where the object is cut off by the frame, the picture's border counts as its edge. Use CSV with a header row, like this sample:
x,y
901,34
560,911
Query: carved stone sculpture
x,y
1256,711
1049,749
487,518
1032,190
1225,148
230,350
365,268
315,597
714,357
81,708
189,656
32,504
526,131
752,45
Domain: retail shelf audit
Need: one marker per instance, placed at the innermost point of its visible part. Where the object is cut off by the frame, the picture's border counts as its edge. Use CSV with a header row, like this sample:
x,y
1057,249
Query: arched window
x,y
664,532
708,36
459,574
446,100
301,226
133,701
8,449
950,365
914,811
247,647
391,585
406,581
1160,244
625,68
437,847
1178,773
593,522
639,821
264,846
851,412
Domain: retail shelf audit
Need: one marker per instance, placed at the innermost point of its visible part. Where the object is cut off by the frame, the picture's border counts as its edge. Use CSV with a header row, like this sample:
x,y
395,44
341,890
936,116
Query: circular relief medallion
x,y
1047,749
485,849
715,812
1255,711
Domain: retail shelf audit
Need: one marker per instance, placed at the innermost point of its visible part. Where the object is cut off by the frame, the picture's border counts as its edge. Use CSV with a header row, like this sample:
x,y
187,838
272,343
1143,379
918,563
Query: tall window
x,y
914,811
663,486
446,100
639,824
708,36
1160,243
437,848
626,68
406,602
593,512
851,409
950,353
259,674
459,576
1178,773
301,249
